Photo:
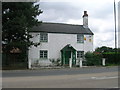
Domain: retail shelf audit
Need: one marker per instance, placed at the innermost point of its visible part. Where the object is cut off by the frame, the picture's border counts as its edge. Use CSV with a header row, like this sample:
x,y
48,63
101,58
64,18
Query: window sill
x,y
43,41
81,42
43,58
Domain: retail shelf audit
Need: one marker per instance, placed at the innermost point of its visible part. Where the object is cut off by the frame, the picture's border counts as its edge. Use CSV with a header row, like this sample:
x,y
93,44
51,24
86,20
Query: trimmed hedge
x,y
93,59
112,57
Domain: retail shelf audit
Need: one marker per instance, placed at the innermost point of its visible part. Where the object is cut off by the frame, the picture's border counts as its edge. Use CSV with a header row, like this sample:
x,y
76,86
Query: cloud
x,y
74,10
58,12
104,39
101,25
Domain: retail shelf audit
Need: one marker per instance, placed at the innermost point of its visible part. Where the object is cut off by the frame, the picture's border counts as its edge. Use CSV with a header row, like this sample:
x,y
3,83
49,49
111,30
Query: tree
x,y
112,57
17,19
104,49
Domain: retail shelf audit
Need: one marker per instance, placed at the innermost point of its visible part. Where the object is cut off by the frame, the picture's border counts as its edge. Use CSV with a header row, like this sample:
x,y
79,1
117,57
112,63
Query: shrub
x,y
56,62
93,59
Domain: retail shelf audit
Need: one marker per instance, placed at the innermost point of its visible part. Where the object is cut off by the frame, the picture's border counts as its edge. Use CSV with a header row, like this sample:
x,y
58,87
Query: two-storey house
x,y
60,41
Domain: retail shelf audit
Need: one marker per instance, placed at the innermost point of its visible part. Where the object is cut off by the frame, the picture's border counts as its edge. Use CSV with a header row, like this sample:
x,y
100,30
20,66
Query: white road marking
x,y
98,78
104,77
115,87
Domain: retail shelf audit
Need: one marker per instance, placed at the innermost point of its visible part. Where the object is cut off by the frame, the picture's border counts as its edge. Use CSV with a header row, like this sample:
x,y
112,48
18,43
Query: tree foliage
x,y
112,55
17,19
104,49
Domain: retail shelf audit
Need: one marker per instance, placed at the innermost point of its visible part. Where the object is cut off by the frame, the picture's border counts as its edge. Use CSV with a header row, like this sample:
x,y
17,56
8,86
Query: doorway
x,y
66,53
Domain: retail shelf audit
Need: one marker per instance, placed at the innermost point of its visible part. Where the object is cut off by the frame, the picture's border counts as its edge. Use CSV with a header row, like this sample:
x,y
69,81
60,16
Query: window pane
x,y
45,51
43,37
80,54
43,54
80,38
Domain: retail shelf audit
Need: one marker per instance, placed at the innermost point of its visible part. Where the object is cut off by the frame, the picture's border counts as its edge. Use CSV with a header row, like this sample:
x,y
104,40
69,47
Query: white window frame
x,y
80,38
44,54
43,37
80,54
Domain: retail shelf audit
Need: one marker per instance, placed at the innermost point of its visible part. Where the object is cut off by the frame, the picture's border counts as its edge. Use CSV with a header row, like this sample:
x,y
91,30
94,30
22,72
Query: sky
x,y
100,16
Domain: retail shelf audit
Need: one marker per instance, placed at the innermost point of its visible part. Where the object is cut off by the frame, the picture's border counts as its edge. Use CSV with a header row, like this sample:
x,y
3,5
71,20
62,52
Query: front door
x,y
67,57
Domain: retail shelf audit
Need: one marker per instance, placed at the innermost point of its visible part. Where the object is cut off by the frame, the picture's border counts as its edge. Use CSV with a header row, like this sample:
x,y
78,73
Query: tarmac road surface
x,y
99,77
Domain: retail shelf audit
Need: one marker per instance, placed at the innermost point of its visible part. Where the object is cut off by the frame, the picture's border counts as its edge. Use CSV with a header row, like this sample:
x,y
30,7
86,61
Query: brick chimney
x,y
85,20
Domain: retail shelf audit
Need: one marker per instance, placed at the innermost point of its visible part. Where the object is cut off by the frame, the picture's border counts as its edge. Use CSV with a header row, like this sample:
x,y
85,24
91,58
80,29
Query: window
x,y
80,38
80,54
43,37
43,53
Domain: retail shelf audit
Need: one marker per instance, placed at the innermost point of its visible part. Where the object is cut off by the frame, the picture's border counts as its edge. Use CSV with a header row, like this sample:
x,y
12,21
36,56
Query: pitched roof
x,y
61,28
68,47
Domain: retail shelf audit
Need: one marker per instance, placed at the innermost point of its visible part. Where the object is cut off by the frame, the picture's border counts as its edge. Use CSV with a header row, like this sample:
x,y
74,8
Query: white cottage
x,y
60,41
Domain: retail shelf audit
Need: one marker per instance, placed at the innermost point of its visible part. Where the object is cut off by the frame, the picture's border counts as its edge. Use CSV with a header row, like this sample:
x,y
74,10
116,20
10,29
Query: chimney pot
x,y
85,13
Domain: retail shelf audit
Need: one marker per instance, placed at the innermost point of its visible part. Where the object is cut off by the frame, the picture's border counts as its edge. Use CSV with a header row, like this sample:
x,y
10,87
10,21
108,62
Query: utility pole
x,y
115,25
115,31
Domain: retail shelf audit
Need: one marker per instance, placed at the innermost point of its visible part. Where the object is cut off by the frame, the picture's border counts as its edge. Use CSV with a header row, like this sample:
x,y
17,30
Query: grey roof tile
x,y
61,28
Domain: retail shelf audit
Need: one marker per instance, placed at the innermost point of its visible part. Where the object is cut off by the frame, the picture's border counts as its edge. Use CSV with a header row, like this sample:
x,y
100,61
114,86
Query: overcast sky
x,y
100,16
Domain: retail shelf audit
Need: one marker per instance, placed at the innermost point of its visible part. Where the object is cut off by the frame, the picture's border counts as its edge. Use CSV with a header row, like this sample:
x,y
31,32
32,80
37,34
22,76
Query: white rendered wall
x,y
56,42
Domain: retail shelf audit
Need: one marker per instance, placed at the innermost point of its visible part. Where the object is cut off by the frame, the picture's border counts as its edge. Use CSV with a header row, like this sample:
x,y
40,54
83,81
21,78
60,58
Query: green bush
x,y
93,59
112,57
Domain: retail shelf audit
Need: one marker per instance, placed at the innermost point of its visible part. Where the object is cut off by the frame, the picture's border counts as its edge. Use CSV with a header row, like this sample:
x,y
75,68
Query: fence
x,y
13,61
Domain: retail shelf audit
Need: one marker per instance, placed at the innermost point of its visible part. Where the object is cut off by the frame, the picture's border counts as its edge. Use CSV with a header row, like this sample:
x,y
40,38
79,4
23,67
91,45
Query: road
x,y
93,77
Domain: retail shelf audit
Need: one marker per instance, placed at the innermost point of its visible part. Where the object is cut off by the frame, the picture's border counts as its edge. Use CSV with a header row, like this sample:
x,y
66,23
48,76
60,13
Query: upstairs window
x,y
43,53
80,54
80,38
43,37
